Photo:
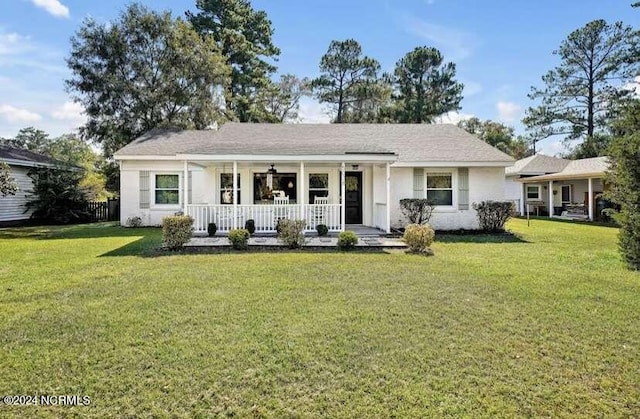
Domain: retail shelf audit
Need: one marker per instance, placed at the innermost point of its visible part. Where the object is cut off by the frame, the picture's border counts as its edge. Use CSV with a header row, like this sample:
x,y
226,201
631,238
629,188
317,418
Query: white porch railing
x,y
265,216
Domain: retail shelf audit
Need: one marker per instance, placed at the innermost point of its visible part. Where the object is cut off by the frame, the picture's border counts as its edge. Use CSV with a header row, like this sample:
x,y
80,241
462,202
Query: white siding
x,y
12,206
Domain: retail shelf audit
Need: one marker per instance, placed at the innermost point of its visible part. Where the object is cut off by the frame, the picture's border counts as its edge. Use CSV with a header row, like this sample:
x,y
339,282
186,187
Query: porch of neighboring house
x,y
336,194
573,199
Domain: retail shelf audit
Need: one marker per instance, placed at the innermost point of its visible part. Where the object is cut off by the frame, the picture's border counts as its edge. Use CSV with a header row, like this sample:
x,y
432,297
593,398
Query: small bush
x,y
134,221
418,237
492,215
347,240
176,231
418,211
211,229
239,238
292,233
250,226
322,230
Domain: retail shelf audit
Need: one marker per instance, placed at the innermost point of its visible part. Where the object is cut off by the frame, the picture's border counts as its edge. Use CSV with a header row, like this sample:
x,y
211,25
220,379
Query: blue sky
x,y
501,47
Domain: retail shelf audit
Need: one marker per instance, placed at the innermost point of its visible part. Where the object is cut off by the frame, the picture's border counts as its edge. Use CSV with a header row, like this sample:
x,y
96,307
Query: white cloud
x,y
70,111
313,112
508,111
453,118
13,43
454,44
13,114
53,7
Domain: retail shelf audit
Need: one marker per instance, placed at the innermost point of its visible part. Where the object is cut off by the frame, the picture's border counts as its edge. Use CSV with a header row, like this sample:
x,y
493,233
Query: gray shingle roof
x,y
411,142
538,164
18,155
594,167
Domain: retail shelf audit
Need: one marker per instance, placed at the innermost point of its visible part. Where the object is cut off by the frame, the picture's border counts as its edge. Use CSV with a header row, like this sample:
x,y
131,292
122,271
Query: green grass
x,y
544,325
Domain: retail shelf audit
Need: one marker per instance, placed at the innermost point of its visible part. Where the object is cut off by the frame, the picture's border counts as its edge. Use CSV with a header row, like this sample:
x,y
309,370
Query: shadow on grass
x,y
610,224
75,231
507,237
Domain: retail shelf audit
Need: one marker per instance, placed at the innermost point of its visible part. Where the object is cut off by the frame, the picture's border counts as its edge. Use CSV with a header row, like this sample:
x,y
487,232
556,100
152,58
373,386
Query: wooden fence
x,y
104,211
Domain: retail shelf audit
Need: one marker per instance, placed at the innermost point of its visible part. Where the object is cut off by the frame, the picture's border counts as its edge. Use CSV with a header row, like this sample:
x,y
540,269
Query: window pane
x,y
167,181
533,192
167,197
566,192
226,181
438,181
319,181
443,197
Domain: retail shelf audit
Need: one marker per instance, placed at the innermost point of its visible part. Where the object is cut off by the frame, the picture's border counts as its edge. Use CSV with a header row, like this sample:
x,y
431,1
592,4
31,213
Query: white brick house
x,y
332,174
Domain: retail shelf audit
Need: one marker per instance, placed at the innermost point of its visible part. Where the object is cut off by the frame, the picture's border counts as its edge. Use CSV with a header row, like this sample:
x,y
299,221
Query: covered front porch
x,y
266,189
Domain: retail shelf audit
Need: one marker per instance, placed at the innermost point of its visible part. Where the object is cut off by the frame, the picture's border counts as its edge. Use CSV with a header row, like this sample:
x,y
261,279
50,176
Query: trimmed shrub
x,y
250,226
292,233
417,211
418,237
347,240
176,231
322,230
492,215
239,238
134,221
211,229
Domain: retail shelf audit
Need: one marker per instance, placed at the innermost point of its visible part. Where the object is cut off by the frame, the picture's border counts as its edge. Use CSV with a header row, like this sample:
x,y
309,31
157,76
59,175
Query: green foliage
x,y
580,95
244,36
418,237
624,180
281,100
498,135
345,77
291,233
322,230
134,222
347,240
176,231
56,196
250,226
31,139
417,211
425,87
493,215
8,185
212,228
239,238
143,71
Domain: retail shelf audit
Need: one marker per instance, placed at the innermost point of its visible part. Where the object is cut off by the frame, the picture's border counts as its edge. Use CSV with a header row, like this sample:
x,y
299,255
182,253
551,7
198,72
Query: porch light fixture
x,y
272,170
355,167
290,185
270,174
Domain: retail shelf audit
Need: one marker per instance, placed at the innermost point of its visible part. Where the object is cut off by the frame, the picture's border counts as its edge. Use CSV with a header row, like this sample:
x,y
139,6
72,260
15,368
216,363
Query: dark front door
x,y
353,199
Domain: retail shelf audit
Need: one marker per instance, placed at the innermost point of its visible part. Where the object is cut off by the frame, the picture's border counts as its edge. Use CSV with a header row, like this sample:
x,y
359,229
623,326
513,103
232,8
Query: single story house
x,y
554,187
12,207
332,174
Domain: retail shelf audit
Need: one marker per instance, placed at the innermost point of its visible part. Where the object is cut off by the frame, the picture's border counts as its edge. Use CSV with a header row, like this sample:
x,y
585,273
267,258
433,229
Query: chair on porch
x,y
320,210
281,208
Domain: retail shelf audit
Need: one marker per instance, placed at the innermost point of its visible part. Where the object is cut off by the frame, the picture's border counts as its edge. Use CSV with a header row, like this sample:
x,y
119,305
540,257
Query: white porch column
x,y
342,196
302,197
523,198
550,198
235,194
185,187
590,199
388,206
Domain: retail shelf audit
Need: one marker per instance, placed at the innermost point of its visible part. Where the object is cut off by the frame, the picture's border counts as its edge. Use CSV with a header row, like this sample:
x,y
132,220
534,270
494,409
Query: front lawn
x,y
548,325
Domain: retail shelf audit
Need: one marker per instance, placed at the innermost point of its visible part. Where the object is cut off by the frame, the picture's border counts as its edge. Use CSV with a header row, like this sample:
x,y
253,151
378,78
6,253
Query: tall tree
x,y
579,96
425,86
31,139
624,179
372,103
244,37
345,74
281,101
498,135
142,71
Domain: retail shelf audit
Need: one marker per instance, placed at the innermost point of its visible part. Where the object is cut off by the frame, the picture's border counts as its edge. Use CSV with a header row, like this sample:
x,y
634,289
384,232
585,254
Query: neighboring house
x,y
12,207
266,172
554,187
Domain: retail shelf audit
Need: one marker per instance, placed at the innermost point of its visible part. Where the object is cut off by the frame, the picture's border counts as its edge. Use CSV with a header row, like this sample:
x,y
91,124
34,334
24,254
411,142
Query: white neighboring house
x,y
12,207
554,187
333,174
